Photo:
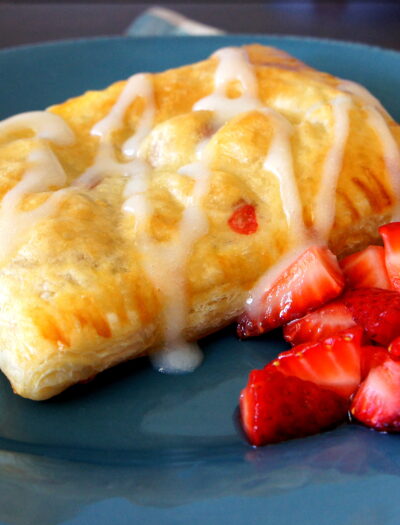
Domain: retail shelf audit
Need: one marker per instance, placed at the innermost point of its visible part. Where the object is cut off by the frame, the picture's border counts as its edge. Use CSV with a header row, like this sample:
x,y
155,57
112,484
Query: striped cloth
x,y
161,21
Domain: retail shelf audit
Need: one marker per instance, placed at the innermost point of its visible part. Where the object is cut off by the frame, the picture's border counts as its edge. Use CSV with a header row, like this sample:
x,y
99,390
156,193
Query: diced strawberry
x,y
334,363
377,402
371,356
309,282
376,311
366,269
394,348
391,239
275,408
244,220
319,324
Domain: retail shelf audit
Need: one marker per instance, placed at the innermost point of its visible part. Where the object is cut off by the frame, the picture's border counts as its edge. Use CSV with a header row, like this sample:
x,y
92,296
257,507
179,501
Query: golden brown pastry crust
x,y
75,296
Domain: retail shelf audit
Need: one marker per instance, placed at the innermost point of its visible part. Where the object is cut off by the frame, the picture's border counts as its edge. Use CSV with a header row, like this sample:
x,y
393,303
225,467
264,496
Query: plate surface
x,y
135,445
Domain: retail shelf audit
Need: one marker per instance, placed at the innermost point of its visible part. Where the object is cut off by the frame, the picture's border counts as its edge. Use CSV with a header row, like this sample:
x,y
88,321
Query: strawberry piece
x,y
394,348
376,311
391,239
377,402
275,408
244,220
334,363
366,269
319,324
310,281
371,357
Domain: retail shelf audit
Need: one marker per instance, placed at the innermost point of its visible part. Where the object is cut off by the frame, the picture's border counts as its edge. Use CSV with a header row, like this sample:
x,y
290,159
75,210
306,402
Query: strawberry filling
x,y
244,220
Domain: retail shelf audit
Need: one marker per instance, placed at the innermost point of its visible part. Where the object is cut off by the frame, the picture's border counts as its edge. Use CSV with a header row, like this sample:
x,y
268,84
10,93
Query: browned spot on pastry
x,y
348,204
49,328
374,197
385,198
88,314
207,130
147,303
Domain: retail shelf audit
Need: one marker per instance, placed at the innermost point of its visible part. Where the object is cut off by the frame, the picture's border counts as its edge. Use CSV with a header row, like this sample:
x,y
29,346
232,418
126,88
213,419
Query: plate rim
x,y
120,38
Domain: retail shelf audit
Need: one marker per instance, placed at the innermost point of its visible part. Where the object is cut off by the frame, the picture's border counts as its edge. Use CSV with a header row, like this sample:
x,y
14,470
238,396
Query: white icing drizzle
x,y
135,193
325,203
44,124
391,153
139,85
324,211
361,92
177,354
233,65
105,161
165,262
43,173
279,162
177,357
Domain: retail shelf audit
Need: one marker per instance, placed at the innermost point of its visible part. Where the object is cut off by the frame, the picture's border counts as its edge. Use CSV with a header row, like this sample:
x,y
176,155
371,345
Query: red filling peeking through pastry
x,y
244,220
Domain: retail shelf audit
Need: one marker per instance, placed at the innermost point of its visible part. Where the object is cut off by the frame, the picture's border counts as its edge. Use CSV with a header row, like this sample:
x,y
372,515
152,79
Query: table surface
x,y
370,22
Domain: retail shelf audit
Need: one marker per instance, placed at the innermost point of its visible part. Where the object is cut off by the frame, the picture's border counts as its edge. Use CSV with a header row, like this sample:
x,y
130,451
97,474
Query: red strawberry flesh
x,y
366,269
275,408
391,239
377,402
309,282
334,363
371,357
319,324
376,311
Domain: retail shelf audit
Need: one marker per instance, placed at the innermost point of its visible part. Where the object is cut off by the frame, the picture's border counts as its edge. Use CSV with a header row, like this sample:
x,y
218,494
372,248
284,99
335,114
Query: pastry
x,y
121,220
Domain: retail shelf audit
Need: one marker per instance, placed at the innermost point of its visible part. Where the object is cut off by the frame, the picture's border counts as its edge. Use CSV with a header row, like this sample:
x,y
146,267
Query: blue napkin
x,y
161,21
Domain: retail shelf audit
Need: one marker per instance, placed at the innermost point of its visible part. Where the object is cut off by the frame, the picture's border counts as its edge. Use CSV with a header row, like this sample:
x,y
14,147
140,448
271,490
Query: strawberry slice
x,y
275,408
371,357
334,363
376,311
391,239
319,324
310,281
366,269
377,402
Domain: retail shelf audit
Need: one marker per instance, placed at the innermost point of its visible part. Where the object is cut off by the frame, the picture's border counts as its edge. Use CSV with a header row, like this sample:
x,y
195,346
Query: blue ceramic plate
x,y
135,446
